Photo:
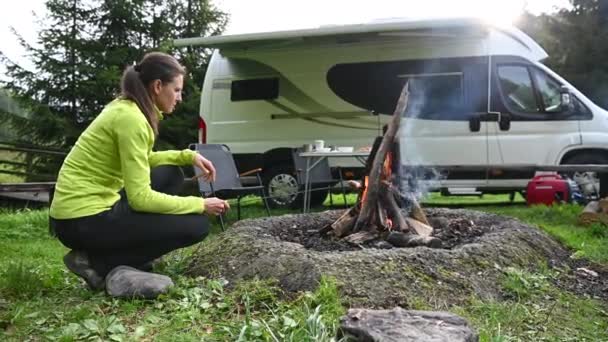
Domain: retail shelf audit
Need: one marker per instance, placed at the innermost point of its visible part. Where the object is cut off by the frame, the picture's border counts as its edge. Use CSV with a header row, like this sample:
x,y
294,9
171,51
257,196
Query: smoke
x,y
416,180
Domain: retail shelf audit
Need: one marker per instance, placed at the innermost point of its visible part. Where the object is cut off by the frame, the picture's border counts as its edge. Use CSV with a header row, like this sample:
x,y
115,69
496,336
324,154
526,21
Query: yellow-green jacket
x,y
115,151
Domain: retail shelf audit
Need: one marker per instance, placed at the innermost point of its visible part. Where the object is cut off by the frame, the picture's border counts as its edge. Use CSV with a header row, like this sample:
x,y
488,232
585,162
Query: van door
x,y
443,124
529,124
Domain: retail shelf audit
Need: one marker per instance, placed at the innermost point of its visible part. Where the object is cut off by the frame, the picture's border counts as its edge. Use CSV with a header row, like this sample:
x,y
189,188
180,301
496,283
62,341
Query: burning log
x,y
341,227
372,189
393,210
379,207
416,211
419,227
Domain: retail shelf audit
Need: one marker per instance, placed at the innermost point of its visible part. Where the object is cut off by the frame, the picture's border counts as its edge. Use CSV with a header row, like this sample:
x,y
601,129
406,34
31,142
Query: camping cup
x,y
319,144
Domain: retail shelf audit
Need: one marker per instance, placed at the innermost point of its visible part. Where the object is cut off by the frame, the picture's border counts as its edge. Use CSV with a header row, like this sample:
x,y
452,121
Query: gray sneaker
x,y
78,263
129,282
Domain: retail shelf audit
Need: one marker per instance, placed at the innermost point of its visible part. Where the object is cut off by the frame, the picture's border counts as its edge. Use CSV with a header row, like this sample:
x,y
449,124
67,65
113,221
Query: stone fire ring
x,y
380,278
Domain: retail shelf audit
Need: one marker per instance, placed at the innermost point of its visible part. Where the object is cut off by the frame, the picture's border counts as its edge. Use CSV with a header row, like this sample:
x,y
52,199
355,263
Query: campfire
x,y
382,210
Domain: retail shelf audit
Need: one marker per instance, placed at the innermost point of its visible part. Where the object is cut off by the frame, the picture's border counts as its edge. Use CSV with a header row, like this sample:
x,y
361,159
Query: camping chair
x,y
228,181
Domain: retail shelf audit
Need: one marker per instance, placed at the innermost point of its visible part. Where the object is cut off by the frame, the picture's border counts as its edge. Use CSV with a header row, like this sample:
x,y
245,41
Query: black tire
x,y
283,191
591,188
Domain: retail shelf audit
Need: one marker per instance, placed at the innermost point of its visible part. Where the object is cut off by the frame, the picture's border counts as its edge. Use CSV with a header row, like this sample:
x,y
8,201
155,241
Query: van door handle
x,y
505,122
490,116
474,123
503,119
476,119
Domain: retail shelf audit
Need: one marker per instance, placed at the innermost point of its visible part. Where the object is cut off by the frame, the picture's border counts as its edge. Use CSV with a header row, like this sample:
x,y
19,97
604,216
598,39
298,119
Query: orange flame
x,y
364,194
387,167
389,224
385,176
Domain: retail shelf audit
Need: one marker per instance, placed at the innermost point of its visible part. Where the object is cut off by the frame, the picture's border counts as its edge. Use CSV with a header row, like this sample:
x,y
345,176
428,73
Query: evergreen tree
x,y
576,40
189,18
83,47
53,91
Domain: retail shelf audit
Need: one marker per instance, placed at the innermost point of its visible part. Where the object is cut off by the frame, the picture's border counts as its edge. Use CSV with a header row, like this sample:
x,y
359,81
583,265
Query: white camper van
x,y
481,97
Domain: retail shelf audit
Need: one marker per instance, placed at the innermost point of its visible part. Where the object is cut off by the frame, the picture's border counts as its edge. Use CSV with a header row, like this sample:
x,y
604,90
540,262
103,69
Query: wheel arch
x,y
572,153
281,155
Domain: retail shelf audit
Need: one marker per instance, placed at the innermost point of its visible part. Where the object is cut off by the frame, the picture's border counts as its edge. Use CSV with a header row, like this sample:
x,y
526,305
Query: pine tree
x,y
83,47
53,91
189,18
576,39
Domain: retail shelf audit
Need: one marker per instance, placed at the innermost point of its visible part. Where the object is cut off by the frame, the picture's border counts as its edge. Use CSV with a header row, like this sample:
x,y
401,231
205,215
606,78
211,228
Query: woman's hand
x,y
216,206
206,167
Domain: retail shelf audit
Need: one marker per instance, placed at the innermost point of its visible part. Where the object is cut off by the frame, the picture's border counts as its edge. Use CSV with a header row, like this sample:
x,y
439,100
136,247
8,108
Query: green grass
x,y
535,310
40,300
435,198
560,222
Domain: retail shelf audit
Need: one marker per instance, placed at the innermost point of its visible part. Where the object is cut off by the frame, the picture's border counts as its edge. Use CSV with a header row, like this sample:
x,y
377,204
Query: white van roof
x,y
403,28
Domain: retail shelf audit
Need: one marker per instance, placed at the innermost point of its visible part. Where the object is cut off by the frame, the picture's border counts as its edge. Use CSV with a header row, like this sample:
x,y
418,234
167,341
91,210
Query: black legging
x,y
122,236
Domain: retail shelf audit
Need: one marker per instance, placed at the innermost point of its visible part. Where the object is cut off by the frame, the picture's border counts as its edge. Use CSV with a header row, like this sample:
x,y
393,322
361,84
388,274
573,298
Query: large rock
x,y
479,247
129,282
362,325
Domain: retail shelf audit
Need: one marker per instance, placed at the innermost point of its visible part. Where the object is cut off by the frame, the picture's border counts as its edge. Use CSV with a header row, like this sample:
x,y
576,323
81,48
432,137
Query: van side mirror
x,y
565,99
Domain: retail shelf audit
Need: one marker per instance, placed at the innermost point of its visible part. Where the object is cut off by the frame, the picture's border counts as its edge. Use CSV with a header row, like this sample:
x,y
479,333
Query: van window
x,y
449,89
255,89
549,92
433,94
516,85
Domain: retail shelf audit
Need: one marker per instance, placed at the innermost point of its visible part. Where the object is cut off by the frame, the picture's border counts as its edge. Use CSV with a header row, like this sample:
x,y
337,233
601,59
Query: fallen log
x,y
590,214
603,203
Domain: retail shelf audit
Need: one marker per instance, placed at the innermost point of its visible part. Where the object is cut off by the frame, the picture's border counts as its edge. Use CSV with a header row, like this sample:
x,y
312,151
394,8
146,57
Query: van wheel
x,y
283,190
588,182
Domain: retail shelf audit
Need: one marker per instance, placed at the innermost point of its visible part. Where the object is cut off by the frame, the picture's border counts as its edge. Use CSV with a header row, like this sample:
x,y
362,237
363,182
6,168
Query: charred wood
x,y
393,210
399,239
373,187
345,223
419,227
361,237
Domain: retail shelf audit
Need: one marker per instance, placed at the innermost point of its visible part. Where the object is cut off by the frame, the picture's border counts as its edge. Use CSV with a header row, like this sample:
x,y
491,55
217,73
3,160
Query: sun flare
x,y
491,11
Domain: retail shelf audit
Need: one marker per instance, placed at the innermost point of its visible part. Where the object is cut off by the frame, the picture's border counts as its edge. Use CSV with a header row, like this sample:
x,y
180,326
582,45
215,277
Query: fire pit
x,y
476,248
379,211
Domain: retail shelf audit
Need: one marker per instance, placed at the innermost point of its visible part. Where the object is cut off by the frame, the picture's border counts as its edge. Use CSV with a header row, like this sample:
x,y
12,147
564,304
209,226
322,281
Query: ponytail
x,y
135,90
136,79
